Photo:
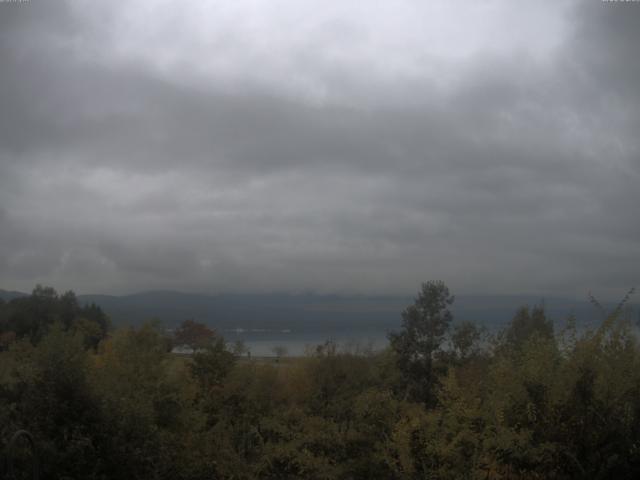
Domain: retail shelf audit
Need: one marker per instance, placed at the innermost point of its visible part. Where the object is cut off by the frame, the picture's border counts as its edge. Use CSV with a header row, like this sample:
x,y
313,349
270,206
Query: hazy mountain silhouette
x,y
312,312
7,295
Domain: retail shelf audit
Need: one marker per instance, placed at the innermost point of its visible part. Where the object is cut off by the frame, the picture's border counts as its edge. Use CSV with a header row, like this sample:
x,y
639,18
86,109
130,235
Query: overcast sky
x,y
327,146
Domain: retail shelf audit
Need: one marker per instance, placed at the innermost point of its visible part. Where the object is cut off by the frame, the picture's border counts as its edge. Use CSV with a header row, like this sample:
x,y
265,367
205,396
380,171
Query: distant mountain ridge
x,y
7,295
311,312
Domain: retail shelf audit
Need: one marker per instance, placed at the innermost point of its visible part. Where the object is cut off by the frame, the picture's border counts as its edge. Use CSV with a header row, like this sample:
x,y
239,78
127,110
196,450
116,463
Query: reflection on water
x,y
263,342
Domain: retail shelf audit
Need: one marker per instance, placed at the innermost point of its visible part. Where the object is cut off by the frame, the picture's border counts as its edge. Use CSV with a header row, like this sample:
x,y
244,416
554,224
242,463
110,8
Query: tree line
x,y
445,400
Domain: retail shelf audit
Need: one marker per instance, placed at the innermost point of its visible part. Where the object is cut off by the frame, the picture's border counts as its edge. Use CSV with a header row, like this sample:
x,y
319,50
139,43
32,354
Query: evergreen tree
x,y
424,326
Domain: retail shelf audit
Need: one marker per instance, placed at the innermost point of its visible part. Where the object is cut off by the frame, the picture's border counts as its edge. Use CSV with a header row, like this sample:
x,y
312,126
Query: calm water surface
x,y
262,343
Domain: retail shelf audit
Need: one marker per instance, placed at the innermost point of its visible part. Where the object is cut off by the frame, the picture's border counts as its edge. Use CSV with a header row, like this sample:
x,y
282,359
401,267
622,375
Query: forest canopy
x,y
444,400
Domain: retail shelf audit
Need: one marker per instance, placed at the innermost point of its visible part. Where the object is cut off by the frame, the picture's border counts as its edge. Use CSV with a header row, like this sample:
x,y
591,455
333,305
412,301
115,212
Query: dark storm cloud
x,y
512,171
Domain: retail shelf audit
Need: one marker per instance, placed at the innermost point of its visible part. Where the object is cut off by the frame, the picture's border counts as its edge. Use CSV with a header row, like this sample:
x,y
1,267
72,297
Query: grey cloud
x,y
521,175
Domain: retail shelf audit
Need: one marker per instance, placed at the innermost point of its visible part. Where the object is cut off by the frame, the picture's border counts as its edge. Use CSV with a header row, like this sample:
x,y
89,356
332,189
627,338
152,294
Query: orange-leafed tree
x,y
193,334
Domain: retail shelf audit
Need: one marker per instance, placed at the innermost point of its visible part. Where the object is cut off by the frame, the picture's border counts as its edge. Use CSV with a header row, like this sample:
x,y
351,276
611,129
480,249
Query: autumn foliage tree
x,y
193,334
533,404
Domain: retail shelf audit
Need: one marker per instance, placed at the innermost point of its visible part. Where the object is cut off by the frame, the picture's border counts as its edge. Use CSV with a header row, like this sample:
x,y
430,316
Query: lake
x,y
261,342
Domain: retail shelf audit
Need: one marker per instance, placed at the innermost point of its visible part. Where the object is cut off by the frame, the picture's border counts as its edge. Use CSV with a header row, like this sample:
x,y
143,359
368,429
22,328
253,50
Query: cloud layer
x,y
289,146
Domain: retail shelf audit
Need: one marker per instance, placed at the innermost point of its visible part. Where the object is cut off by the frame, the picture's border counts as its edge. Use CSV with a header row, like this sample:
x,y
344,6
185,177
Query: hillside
x,y
316,312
